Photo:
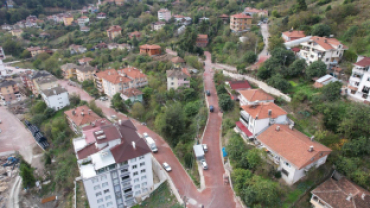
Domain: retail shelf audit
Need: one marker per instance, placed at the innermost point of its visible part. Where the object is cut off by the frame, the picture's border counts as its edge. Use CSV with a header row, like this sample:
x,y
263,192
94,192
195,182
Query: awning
x,y
353,88
240,125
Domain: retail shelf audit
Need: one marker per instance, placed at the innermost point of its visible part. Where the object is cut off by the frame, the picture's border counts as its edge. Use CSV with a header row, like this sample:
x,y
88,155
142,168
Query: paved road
x,y
265,35
215,193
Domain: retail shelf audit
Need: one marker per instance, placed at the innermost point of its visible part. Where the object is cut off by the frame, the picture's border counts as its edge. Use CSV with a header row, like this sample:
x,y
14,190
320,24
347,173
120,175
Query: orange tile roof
x,y
223,16
202,36
85,59
146,46
295,34
114,28
76,116
241,16
292,145
253,95
177,59
261,110
327,43
132,72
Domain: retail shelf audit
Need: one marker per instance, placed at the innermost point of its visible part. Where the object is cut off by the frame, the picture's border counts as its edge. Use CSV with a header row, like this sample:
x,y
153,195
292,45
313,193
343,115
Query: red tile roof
x,y
114,28
240,125
296,49
178,16
327,43
224,16
177,59
292,145
365,62
253,95
76,116
254,10
238,85
146,46
132,92
85,59
241,16
88,150
294,34
261,110
203,36
109,131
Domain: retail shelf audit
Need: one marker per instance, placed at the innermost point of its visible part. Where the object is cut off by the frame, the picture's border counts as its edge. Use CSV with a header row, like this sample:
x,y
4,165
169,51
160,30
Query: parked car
x,y
208,93
103,98
0,130
204,165
113,117
205,148
166,167
211,108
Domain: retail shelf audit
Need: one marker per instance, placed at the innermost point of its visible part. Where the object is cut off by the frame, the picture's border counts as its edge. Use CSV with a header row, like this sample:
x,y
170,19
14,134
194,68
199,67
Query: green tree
x,y
302,6
275,41
321,30
357,147
188,158
280,83
354,123
26,54
95,108
235,147
39,107
137,110
284,56
331,91
117,103
191,109
250,57
297,68
254,158
221,89
26,172
49,112
316,69
225,102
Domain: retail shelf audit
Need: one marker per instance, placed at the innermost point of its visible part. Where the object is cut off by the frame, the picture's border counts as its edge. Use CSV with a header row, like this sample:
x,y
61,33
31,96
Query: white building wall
x,y
142,183
57,101
93,191
172,83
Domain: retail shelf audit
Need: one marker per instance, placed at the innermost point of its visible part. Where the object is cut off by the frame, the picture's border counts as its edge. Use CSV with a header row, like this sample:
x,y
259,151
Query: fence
x,y
260,84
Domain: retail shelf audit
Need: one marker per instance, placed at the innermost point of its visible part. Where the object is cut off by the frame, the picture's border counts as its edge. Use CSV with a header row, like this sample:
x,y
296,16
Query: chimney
x,y
134,145
363,196
89,112
270,112
310,149
325,40
312,138
73,112
277,128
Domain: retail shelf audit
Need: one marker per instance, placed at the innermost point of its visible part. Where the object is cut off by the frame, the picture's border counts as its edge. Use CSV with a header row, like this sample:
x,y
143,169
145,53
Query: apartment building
x,y
85,73
83,21
240,22
253,96
56,98
68,70
158,25
81,116
36,50
359,82
135,34
115,164
9,90
76,49
164,14
293,152
114,31
182,20
29,78
17,33
328,50
178,78
45,82
68,19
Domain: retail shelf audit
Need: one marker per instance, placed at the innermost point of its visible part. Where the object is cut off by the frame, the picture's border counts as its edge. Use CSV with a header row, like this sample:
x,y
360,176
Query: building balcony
x,y
126,185
127,173
126,180
355,78
128,193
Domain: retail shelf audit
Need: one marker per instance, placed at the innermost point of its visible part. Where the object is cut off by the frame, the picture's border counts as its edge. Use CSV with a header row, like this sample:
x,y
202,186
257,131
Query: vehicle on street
x,y
151,144
205,148
17,67
211,108
166,167
0,130
208,93
103,98
204,165
113,117
259,24
143,124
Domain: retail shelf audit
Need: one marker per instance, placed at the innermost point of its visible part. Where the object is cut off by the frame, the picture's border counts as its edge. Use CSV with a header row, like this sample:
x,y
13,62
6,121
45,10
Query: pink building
x,y
164,14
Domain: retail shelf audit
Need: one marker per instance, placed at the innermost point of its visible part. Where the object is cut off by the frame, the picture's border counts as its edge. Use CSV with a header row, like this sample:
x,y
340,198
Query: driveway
x,y
265,35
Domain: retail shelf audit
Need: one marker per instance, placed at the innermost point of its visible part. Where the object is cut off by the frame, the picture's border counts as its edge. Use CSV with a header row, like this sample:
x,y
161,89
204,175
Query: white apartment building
x,y
359,82
115,164
256,118
253,96
328,50
294,152
164,14
56,98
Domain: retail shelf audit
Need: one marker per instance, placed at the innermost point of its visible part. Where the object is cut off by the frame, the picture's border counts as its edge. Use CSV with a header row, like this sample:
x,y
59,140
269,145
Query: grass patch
x,y
23,65
306,87
161,197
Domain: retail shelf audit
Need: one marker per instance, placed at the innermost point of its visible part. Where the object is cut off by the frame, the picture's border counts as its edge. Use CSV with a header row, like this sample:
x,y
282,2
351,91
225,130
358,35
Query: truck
x,y
151,144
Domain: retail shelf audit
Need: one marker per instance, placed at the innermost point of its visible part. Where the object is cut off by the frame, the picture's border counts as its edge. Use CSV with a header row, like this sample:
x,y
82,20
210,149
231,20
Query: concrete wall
x,y
296,42
260,84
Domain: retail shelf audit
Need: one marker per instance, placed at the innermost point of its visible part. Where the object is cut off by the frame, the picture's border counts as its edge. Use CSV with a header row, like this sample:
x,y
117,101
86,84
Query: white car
x,y
167,167
113,117
205,148
204,165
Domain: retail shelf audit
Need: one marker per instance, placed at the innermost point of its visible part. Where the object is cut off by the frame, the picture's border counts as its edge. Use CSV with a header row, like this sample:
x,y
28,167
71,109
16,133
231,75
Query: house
x,y
9,4
44,35
252,96
202,40
124,46
182,20
36,50
101,15
82,21
29,78
132,94
101,45
158,25
85,72
2,53
294,152
9,90
85,60
55,98
164,14
258,12
328,50
239,85
68,19
17,33
68,70
203,19
292,35
84,29
79,117
45,82
359,80
31,21
150,50
77,49
257,117
114,32
178,62
114,162
136,34
225,18
337,72
119,2
6,27
324,80
339,192
178,78
240,22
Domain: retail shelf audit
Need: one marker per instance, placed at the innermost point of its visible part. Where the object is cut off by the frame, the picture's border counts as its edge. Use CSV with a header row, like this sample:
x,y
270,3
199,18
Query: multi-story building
x,y
36,50
292,35
328,50
240,22
28,78
55,98
68,70
178,78
85,60
113,81
45,82
101,15
158,25
83,21
253,11
80,117
2,53
85,72
293,152
114,31
150,50
135,34
359,82
68,19
339,192
132,94
202,40
115,164
253,96
17,33
9,90
164,14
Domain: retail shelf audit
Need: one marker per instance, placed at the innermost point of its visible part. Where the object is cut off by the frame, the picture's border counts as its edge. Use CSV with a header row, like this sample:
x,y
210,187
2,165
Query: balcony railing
x,y
125,173
128,193
126,180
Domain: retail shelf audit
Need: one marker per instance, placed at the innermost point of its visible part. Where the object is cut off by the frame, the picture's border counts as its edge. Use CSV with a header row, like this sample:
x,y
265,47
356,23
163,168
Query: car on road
x,y
113,117
103,98
0,130
205,147
204,165
259,24
17,67
167,167
211,108
208,93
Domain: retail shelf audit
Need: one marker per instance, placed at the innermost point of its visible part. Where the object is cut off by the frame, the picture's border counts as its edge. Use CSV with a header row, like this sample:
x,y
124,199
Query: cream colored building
x,y
177,78
47,82
85,73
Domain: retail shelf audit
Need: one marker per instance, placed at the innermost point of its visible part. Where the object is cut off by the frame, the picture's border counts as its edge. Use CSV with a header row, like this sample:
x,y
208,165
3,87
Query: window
x,y
142,171
105,184
134,166
96,187
141,157
285,172
109,204
98,194
103,177
100,200
107,198
116,188
133,160
101,206
144,184
143,177
136,180
115,181
287,164
138,192
106,191
136,173
171,83
94,180
137,186
145,190
142,164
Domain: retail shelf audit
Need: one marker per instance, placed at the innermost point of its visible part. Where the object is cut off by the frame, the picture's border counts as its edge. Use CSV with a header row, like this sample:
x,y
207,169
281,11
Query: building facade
x,y
68,19
178,78
164,14
9,90
240,22
114,31
253,11
202,40
68,70
85,73
359,82
150,50
56,98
